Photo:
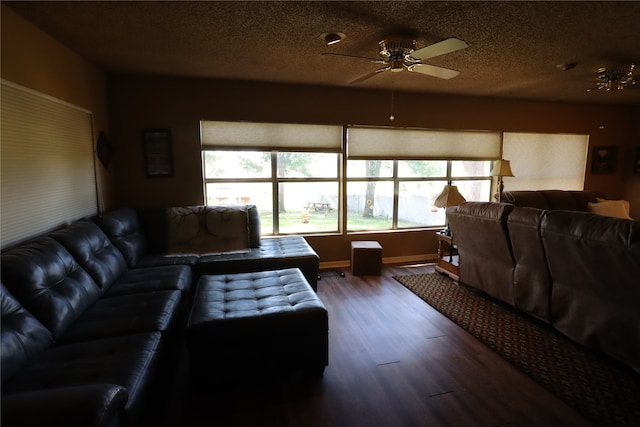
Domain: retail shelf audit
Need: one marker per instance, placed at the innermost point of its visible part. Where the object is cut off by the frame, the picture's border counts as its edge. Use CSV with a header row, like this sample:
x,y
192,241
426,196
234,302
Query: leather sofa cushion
x,y
92,405
93,250
273,254
150,279
123,228
23,337
127,361
48,282
124,315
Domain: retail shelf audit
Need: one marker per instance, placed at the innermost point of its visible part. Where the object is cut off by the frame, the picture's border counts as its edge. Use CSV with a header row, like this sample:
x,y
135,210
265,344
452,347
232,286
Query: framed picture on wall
x,y
636,161
605,160
158,157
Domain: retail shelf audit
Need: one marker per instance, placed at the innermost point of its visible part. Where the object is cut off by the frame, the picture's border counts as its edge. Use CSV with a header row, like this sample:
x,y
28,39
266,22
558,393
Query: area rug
x,y
603,391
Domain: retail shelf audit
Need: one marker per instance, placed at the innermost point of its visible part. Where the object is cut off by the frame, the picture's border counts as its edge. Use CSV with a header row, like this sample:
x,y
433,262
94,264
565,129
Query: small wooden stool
x,y
366,258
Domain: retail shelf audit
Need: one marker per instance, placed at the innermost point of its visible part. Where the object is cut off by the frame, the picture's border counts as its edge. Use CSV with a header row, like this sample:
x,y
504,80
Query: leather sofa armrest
x,y
95,405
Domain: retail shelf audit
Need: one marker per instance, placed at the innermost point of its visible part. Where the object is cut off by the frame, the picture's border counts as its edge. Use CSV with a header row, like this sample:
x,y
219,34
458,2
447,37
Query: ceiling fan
x,y
398,52
615,78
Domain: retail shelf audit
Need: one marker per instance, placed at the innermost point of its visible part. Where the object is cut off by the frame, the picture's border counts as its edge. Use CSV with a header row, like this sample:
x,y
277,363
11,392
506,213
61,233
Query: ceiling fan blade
x,y
440,48
432,70
364,58
368,76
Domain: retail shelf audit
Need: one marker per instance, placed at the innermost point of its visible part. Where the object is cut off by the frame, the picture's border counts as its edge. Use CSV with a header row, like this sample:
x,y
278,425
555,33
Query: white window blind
x,y
386,143
545,161
270,136
47,168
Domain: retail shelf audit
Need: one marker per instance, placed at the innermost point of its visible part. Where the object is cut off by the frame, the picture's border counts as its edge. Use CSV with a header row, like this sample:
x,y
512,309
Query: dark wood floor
x,y
393,361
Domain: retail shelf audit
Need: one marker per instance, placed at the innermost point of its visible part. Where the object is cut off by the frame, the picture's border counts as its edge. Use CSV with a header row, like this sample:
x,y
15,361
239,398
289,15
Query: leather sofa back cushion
x,y
480,231
123,228
551,199
48,282
23,337
94,252
208,229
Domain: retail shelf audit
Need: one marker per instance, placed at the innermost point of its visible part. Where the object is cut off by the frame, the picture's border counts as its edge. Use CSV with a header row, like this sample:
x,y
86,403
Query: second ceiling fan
x,y
398,52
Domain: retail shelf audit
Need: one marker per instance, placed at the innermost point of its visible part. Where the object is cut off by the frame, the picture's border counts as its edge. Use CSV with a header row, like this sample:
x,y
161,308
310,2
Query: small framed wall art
x,y
158,157
605,160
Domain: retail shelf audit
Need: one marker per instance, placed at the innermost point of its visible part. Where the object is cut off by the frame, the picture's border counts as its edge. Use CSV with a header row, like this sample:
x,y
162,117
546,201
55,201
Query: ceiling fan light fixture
x,y
332,38
614,78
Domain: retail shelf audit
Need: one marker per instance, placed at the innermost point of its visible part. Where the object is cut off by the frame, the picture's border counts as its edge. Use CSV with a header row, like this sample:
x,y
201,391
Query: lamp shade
x,y
501,168
449,196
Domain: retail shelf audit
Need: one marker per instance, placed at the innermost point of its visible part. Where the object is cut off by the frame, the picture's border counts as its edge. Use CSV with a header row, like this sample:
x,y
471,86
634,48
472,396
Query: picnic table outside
x,y
319,207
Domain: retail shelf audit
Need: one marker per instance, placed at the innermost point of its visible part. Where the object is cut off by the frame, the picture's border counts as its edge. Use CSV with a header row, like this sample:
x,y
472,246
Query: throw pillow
x,y
228,228
613,208
625,203
185,229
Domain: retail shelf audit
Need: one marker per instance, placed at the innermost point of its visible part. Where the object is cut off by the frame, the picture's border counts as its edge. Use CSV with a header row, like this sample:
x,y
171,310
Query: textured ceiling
x,y
514,51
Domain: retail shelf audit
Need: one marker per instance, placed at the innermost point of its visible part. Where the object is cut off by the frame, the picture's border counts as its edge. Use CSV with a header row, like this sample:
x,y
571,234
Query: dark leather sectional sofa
x,y
577,271
93,319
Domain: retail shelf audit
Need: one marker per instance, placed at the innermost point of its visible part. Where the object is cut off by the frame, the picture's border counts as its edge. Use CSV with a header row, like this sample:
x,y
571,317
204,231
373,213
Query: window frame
x,y
398,180
274,180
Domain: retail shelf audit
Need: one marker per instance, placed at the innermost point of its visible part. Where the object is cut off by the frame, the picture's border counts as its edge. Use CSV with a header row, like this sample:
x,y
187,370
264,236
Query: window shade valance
x,y
384,143
270,135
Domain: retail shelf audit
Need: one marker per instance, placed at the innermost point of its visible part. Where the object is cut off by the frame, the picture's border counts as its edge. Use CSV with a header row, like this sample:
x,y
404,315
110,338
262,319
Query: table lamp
x,y
449,196
501,168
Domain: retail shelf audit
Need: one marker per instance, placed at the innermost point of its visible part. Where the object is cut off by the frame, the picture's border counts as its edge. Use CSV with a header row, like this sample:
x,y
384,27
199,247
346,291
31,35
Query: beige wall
x,y
179,103
33,59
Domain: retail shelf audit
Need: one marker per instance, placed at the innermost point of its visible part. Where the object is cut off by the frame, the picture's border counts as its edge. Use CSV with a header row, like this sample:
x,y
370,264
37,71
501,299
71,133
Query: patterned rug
x,y
604,392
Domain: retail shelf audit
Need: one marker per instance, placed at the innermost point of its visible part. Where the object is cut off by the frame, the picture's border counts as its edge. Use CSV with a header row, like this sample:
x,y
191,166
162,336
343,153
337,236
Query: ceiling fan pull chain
x,y
391,117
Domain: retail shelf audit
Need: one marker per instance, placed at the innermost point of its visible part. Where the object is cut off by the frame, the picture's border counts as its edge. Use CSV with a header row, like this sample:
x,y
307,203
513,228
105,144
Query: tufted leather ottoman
x,y
252,323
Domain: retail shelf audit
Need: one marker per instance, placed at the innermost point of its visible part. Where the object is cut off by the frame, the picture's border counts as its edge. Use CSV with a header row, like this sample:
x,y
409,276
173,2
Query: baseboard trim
x,y
385,260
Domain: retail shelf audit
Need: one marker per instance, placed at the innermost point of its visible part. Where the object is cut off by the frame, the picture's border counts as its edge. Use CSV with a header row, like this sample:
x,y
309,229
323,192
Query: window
x,y
399,194
47,165
294,173
290,172
394,175
546,161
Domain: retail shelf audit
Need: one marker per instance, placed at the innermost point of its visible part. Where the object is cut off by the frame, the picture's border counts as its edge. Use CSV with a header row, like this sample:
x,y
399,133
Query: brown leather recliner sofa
x,y
577,271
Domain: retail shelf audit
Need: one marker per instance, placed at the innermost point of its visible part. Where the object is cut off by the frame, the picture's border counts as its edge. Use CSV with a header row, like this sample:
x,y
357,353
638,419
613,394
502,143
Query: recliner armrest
x,y
94,405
